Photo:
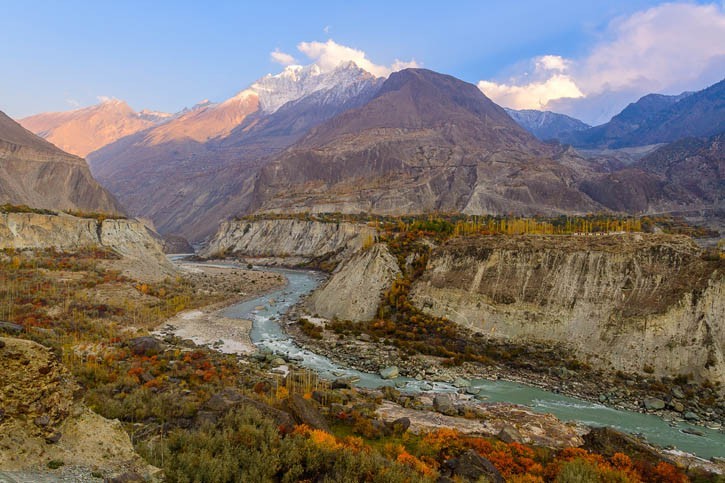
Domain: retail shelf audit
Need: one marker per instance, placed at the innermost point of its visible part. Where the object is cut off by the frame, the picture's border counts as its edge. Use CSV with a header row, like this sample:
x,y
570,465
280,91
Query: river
x,y
265,311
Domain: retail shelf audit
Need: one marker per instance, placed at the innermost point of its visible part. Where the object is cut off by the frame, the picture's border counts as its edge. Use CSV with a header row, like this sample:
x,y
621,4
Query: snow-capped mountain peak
x,y
296,81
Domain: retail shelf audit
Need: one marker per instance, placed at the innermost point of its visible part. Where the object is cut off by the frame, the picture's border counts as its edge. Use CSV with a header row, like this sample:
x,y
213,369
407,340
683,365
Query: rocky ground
x,y
673,402
46,429
207,326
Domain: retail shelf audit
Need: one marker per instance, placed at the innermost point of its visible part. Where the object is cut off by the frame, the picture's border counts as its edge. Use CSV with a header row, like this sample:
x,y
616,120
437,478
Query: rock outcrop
x,y
353,292
44,418
637,303
298,241
130,239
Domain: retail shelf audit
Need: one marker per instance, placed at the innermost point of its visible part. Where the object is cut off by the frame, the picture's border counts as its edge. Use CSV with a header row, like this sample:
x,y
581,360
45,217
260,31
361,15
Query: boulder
x,y
444,405
690,416
461,383
305,412
470,466
678,406
653,404
400,425
389,372
509,434
678,393
144,346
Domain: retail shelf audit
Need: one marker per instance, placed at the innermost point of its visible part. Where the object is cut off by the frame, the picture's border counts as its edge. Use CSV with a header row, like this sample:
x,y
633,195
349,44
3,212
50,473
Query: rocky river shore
x,y
671,400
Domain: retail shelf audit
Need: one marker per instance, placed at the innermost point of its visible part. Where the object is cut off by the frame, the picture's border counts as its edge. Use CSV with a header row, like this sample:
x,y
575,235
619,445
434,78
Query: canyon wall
x,y
298,240
130,239
636,303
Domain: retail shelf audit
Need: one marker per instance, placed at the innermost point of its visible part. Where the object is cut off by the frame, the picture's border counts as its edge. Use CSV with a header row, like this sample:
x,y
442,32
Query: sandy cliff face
x,y
289,238
353,292
141,252
634,303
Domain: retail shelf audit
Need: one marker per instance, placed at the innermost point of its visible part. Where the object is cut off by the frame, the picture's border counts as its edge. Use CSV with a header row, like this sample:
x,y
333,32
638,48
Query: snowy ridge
x,y
296,82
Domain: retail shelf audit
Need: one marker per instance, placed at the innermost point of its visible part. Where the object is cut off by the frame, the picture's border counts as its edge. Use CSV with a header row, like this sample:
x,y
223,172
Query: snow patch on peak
x,y
296,81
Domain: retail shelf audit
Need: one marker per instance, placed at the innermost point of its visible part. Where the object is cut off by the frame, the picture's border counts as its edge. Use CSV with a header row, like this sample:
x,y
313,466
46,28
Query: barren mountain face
x,y
36,173
83,131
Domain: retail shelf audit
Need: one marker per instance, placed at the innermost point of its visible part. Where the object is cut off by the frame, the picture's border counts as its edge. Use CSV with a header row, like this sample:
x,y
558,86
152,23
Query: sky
x,y
586,59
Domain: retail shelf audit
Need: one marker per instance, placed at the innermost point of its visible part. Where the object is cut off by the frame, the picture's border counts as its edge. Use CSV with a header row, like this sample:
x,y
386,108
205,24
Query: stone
x,y
678,406
400,425
305,412
389,372
2,343
42,420
474,391
509,434
690,416
603,398
653,404
470,466
54,438
144,346
444,405
460,383
277,361
341,384
678,393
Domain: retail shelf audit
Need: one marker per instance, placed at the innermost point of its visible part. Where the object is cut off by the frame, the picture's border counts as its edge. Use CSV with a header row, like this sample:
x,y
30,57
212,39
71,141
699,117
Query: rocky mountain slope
x,y
653,301
546,124
424,142
684,175
205,160
83,131
36,173
658,118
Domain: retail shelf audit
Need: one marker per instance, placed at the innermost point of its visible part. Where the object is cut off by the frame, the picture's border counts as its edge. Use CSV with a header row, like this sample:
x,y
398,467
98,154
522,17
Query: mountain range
x,y
418,141
657,118
36,173
546,124
83,131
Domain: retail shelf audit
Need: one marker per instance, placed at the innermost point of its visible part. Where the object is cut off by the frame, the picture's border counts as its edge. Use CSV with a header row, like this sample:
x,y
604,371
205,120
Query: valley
x,y
356,272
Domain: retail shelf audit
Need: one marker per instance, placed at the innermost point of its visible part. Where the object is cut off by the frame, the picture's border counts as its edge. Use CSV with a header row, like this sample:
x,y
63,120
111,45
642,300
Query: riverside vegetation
x,y
205,416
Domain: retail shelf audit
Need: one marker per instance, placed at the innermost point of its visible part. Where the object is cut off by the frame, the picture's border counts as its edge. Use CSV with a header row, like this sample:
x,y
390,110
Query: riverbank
x,y
209,326
674,403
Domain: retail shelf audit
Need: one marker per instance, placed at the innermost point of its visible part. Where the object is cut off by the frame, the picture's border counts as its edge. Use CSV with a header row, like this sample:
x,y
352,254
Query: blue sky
x,y
165,55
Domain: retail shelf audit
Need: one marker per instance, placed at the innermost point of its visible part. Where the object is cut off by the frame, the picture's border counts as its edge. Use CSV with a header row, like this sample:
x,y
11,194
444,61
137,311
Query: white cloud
x,y
106,99
667,48
330,54
535,95
281,57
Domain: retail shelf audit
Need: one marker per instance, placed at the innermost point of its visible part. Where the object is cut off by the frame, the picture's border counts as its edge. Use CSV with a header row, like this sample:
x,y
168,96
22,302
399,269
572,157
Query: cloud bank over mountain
x,y
329,55
667,48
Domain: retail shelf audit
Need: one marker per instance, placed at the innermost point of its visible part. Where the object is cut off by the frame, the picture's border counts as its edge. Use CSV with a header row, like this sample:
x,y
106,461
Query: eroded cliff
x,y
141,254
354,290
297,241
636,303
